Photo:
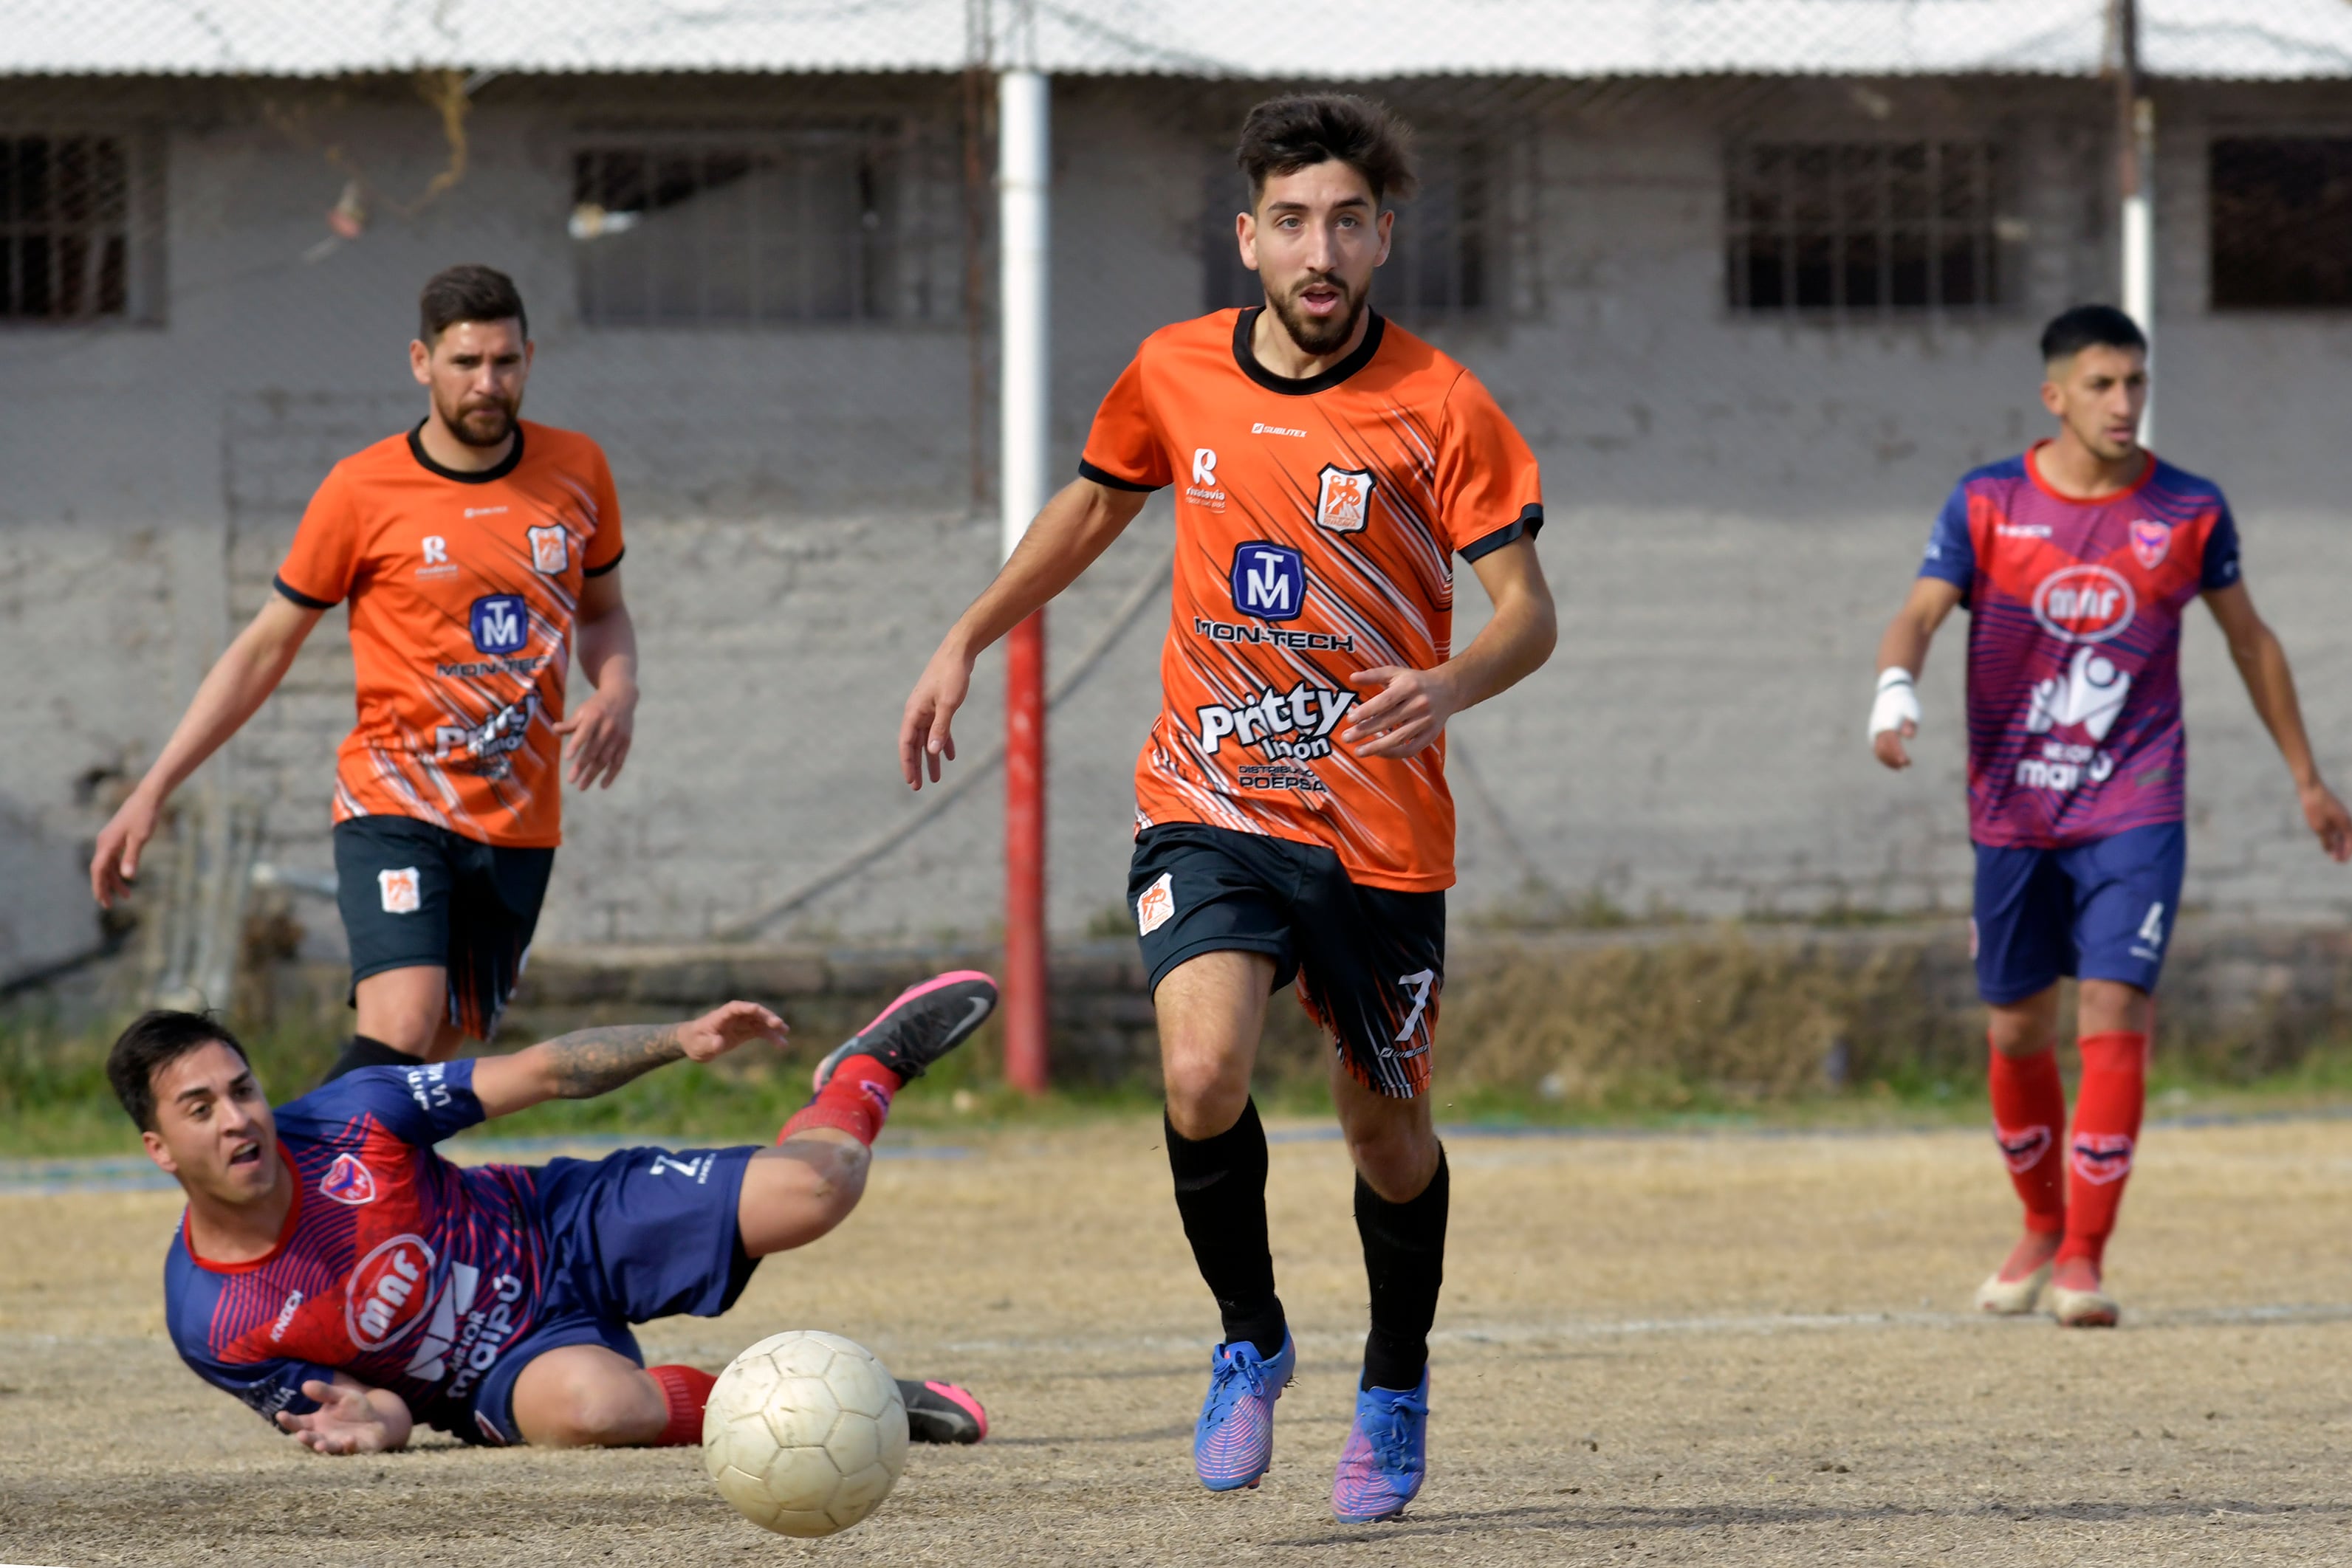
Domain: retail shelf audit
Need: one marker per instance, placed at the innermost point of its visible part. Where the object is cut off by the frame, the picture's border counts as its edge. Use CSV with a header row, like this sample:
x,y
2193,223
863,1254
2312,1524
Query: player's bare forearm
x,y
597,733
1904,644
1071,531
236,685
592,1061
2262,663
1517,638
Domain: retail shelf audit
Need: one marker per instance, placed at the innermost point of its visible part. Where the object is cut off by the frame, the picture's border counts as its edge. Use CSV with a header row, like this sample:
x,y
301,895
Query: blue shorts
x,y
638,1235
2100,911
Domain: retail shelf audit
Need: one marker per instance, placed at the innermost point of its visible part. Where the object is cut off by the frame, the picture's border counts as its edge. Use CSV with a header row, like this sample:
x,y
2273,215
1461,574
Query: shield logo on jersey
x,y
388,1292
2150,542
501,623
1269,580
2102,1157
348,1181
551,548
1344,505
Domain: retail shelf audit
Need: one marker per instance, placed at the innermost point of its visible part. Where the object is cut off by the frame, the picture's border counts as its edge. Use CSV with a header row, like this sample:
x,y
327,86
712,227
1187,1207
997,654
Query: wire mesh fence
x,y
1759,282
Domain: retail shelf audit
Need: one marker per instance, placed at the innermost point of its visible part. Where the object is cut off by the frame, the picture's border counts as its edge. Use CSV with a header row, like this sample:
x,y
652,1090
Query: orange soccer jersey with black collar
x,y
462,590
1317,521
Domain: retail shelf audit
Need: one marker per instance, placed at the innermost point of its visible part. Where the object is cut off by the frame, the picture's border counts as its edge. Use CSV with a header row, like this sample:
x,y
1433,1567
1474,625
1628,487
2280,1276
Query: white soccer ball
x,y
805,1433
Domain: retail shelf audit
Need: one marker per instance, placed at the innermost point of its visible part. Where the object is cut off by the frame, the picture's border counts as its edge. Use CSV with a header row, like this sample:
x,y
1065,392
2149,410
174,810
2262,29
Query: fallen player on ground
x,y
338,1274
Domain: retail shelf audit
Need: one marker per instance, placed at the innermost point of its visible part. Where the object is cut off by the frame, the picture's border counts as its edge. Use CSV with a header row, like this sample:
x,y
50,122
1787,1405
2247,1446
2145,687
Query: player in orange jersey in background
x,y
474,549
1291,809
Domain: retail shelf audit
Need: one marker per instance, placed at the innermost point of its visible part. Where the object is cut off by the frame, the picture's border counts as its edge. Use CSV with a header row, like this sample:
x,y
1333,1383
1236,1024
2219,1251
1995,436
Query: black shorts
x,y
414,894
1369,962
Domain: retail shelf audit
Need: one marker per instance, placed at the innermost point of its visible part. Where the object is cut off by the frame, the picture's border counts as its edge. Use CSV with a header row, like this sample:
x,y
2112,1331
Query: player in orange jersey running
x,y
1291,809
474,549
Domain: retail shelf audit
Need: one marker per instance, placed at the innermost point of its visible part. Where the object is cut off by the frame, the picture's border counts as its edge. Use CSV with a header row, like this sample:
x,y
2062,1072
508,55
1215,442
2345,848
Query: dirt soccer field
x,y
1691,1349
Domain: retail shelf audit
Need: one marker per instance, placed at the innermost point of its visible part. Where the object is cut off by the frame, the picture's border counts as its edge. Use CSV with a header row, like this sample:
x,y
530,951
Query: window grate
x,y
1441,251
798,227
2281,223
64,228
1861,228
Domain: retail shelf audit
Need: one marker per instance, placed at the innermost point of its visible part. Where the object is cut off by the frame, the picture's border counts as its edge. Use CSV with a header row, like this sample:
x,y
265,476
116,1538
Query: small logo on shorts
x,y
402,891
2022,1148
551,548
348,1181
1157,907
2102,1157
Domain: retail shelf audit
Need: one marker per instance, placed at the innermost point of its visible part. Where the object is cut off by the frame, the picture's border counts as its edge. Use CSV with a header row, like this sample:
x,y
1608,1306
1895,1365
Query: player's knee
x,y
1396,1159
1204,1096
602,1411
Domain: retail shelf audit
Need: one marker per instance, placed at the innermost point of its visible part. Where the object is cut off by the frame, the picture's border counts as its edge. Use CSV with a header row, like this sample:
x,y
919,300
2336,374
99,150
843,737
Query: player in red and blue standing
x,y
2077,561
347,1281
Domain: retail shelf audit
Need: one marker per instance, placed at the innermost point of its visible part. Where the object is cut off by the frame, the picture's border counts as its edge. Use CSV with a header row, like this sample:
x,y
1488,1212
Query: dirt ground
x,y
1737,1349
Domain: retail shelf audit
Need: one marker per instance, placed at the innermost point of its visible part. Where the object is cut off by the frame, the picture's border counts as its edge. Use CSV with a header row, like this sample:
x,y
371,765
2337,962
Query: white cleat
x,y
2092,1309
2012,1298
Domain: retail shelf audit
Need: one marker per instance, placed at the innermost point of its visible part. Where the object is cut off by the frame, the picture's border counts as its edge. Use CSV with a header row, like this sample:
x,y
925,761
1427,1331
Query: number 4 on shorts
x,y
2151,930
1418,983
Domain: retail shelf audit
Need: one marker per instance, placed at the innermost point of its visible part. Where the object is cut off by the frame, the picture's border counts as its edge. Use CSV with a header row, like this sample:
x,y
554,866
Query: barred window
x,y
1442,252
2281,223
64,228
1862,227
806,225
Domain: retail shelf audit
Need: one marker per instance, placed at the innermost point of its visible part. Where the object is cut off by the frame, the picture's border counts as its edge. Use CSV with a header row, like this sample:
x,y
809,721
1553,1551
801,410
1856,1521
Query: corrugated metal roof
x,y
1249,39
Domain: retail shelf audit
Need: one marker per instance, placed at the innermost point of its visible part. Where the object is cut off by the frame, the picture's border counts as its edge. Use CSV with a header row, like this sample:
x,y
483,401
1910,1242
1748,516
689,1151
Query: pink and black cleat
x,y
924,1024
940,1412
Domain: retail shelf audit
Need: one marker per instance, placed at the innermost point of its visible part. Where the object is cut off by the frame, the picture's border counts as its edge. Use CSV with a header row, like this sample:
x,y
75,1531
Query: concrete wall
x,y
1736,504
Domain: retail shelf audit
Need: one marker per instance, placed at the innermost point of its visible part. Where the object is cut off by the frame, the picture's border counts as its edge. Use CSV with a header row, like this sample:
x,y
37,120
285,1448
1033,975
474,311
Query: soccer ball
x,y
805,1433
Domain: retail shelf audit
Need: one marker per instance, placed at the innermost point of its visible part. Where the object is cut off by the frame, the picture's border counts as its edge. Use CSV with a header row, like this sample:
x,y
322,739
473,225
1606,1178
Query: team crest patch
x,y
402,890
550,549
2150,542
348,1181
2022,1148
2102,1157
1344,505
1157,907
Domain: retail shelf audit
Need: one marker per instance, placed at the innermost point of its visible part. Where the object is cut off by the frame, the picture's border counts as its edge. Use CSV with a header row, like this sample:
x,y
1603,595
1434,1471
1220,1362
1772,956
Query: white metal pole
x,y
1024,170
2139,249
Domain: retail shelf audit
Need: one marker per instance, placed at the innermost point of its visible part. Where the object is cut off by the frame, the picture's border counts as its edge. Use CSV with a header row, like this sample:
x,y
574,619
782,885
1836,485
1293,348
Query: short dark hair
x,y
2086,325
1284,135
468,292
159,1038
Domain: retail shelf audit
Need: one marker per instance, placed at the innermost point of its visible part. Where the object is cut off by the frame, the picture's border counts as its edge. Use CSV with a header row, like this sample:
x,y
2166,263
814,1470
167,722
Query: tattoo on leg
x,y
594,1060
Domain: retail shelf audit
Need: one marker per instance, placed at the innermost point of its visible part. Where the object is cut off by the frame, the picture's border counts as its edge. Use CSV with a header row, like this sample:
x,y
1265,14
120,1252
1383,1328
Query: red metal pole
x,y
1024,856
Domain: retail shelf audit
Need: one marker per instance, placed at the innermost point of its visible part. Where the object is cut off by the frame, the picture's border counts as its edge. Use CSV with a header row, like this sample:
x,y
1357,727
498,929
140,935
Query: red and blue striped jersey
x,y
395,1265
2074,728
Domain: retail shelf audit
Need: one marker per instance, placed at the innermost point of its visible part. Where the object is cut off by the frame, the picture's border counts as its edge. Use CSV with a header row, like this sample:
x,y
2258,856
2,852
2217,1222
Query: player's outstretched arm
x,y
352,1418
1412,705
592,1061
596,733
1073,528
239,682
1902,654
2262,663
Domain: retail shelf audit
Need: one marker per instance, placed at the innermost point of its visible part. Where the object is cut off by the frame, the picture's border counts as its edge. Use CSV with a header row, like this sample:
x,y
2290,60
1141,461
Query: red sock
x,y
2029,1119
856,1099
685,1391
2106,1126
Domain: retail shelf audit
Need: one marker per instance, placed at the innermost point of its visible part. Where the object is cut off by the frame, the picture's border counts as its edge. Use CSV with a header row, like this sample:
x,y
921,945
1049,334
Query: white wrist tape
x,y
1898,701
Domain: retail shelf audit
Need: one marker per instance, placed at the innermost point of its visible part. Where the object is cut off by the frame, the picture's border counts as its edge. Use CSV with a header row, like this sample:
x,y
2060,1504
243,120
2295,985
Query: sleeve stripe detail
x,y
1526,525
601,570
299,596
1107,479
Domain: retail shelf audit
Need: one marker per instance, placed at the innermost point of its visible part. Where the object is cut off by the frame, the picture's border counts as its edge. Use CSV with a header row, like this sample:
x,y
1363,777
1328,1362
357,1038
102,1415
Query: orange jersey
x,y
462,587
1316,522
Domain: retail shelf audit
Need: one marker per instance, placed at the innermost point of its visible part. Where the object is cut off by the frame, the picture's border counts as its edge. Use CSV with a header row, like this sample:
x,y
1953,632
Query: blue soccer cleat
x,y
1387,1456
1233,1442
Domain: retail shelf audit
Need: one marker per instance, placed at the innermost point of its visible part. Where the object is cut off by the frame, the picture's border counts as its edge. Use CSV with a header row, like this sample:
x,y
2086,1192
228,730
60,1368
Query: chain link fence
x,y
1758,282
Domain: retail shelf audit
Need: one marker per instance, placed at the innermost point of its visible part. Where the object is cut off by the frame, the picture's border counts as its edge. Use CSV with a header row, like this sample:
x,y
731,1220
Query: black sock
x,y
1220,1192
362,1051
1404,1261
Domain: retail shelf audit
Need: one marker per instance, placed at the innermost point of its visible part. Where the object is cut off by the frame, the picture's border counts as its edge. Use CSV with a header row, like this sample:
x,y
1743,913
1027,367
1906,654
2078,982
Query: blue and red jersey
x,y
2075,726
406,1270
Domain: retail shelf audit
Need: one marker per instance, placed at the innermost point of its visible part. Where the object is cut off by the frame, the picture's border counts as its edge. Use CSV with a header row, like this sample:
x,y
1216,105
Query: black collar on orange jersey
x,y
499,470
1247,320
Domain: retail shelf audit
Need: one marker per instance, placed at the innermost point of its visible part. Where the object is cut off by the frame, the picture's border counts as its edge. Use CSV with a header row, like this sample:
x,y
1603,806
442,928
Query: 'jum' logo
x,y
501,624
1269,582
